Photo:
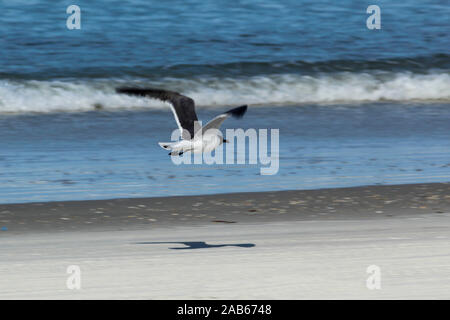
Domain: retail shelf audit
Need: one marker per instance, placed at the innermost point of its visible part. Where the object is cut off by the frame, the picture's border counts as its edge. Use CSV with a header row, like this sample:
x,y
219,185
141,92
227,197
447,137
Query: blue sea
x,y
353,106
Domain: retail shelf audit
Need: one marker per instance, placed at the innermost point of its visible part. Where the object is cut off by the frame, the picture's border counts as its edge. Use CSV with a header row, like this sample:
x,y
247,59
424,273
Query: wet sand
x,y
372,202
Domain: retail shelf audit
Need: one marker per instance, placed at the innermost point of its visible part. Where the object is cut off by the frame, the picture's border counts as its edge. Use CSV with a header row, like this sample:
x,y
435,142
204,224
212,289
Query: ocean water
x,y
353,106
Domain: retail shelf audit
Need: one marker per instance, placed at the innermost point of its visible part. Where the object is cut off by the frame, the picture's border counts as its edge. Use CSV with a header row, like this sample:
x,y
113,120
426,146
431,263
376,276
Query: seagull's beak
x,y
225,141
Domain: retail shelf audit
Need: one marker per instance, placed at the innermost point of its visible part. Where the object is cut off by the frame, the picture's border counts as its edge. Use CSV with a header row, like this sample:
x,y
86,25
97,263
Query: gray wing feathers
x,y
183,107
217,121
214,123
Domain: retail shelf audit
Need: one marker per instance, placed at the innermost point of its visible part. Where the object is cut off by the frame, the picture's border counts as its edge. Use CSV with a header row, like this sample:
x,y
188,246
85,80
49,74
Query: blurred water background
x,y
353,106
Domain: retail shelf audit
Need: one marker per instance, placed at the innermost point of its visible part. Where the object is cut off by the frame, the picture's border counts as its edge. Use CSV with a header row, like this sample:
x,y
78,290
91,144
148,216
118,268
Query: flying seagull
x,y
194,138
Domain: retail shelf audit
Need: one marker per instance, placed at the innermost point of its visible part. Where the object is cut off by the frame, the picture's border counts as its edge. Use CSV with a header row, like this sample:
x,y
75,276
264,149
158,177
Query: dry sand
x,y
293,245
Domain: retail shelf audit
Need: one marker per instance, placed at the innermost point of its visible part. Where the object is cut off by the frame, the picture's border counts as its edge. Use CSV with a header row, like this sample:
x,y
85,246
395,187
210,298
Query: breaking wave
x,y
43,96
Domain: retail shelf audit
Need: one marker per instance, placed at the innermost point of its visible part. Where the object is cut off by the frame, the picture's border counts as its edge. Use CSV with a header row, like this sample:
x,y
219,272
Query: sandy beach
x,y
334,184
272,245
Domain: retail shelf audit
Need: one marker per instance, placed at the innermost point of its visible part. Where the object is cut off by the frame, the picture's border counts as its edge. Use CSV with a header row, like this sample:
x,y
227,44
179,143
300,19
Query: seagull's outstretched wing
x,y
183,107
217,121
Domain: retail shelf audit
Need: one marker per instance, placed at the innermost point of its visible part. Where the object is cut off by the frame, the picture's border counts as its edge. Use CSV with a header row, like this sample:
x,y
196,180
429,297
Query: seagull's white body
x,y
201,143
205,139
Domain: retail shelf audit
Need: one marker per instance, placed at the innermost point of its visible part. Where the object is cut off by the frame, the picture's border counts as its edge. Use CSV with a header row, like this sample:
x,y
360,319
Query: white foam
x,y
286,89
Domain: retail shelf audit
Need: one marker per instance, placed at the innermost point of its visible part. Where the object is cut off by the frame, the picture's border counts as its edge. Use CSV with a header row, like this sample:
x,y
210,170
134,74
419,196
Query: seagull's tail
x,y
166,145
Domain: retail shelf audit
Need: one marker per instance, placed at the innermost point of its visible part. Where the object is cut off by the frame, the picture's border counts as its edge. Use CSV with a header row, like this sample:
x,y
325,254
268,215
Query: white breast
x,y
208,143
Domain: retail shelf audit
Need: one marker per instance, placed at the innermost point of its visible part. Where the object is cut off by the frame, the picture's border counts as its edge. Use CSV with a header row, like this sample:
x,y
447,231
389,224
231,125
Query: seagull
x,y
194,138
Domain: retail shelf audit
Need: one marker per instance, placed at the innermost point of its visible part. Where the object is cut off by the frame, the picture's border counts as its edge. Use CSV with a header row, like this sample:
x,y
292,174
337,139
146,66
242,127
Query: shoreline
x,y
367,202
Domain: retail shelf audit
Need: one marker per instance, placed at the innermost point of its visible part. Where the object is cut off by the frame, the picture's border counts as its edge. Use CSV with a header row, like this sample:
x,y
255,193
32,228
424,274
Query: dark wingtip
x,y
238,112
131,90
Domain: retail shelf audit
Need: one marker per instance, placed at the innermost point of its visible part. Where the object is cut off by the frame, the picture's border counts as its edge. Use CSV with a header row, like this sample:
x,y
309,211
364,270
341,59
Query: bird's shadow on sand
x,y
200,245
